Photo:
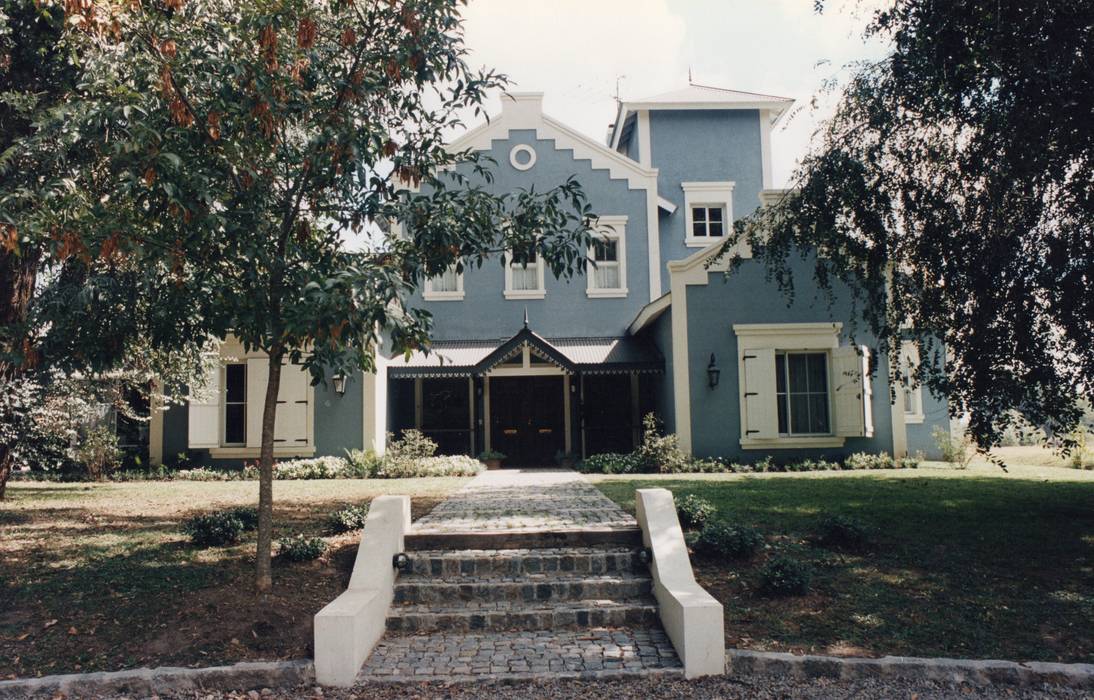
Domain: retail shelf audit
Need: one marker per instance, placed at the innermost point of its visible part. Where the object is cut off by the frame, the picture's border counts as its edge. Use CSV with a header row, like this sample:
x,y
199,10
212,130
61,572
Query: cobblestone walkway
x,y
516,500
583,652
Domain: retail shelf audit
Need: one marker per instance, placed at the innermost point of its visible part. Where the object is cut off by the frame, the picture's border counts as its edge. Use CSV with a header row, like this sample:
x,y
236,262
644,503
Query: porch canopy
x,y
474,358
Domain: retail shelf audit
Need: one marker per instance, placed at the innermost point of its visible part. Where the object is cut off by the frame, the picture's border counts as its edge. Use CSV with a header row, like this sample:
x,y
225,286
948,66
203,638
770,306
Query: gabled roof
x,y
699,97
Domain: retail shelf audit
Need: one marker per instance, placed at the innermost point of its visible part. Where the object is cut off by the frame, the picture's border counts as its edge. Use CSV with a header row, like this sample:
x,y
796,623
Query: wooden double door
x,y
527,419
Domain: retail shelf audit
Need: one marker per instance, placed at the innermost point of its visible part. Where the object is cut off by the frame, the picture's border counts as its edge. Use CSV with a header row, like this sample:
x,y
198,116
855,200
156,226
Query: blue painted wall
x,y
704,146
660,332
566,311
747,297
920,435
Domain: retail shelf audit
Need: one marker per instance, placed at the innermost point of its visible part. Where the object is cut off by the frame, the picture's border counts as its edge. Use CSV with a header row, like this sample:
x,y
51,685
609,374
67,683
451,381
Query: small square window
x,y
707,222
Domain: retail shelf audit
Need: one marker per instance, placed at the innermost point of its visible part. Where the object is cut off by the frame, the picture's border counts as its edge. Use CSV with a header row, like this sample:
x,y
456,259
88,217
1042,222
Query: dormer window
x,y
447,286
709,211
524,274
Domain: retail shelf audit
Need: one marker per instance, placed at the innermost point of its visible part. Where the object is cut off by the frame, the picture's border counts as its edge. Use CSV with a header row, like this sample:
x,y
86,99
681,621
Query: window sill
x,y
525,294
255,452
791,443
606,293
442,296
702,242
913,418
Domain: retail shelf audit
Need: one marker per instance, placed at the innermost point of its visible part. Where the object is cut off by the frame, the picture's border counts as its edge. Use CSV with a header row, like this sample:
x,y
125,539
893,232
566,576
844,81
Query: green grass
x,y
99,577
973,563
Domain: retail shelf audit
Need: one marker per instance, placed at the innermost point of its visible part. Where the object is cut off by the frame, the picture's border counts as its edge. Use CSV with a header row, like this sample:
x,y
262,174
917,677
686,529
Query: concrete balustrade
x,y
692,618
349,627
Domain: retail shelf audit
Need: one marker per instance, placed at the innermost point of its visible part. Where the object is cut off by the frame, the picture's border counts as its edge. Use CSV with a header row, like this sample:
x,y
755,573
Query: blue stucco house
x,y
538,368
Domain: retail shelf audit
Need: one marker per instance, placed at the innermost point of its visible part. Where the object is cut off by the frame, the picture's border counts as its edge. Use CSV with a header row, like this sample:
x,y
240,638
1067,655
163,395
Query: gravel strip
x,y
757,687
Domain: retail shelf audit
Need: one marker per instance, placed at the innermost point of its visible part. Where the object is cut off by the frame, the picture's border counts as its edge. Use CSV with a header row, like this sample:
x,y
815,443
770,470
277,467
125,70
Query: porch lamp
x,y
339,383
713,372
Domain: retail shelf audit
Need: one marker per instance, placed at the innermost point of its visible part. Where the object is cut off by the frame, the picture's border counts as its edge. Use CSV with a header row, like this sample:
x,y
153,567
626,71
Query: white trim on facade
x,y
912,394
765,148
645,154
710,195
516,151
614,228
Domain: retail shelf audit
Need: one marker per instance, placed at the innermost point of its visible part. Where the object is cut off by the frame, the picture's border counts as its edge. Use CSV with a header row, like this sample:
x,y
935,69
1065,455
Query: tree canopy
x,y
225,151
952,191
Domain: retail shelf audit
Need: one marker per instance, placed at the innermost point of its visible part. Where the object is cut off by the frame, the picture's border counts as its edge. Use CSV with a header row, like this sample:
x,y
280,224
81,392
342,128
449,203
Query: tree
x,y
35,75
951,191
237,144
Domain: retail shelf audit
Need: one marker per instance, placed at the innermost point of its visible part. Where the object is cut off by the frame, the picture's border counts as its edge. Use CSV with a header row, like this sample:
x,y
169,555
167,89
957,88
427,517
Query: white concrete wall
x,y
349,627
692,618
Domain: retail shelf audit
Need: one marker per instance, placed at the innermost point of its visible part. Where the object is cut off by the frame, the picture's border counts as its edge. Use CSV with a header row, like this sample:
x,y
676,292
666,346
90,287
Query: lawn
x,y
961,563
98,576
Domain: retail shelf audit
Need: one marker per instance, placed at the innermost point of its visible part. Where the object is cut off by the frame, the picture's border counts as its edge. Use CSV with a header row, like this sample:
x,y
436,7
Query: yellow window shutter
x,y
852,393
761,417
258,371
203,425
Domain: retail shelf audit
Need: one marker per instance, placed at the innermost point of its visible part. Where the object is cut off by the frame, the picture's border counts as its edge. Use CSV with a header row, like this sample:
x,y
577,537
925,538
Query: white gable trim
x,y
650,313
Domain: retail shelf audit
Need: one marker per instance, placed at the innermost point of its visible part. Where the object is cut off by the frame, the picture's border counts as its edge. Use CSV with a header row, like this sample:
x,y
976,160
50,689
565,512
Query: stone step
x,y
528,588
426,539
469,616
595,653
517,562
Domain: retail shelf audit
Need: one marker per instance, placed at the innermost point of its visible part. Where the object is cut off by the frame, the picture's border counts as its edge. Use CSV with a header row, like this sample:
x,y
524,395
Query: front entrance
x,y
527,419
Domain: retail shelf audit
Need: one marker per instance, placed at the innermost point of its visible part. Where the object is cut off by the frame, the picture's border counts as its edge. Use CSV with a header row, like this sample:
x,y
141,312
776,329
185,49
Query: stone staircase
x,y
522,574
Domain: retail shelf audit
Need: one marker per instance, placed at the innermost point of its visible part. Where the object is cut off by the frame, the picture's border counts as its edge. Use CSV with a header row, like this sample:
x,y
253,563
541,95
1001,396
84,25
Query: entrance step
x,y
468,616
450,656
425,539
530,588
605,559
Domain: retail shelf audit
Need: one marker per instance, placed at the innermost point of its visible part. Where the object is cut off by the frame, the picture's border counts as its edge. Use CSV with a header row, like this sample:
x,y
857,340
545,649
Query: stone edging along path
x,y
144,682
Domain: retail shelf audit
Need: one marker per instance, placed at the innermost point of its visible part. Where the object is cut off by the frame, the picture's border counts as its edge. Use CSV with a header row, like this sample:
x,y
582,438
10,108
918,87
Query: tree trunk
x,y
263,577
18,275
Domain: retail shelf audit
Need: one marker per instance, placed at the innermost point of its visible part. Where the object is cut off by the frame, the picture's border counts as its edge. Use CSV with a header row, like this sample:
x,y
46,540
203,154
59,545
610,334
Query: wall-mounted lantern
x,y
713,372
339,383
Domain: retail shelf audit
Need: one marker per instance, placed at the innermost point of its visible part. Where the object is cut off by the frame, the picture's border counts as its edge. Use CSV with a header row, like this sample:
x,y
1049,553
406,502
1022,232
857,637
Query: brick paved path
x,y
525,499
491,593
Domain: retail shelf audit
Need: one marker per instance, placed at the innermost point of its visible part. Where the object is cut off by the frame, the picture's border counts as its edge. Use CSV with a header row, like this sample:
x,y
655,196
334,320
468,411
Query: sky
x,y
576,51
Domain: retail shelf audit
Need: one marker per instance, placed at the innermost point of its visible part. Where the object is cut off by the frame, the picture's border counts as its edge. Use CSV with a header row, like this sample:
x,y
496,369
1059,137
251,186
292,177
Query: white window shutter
x,y
761,417
203,429
852,391
258,371
291,425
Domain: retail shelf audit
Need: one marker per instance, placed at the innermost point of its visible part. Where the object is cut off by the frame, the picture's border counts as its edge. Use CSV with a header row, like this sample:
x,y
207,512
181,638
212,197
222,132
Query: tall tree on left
x,y
234,145
35,75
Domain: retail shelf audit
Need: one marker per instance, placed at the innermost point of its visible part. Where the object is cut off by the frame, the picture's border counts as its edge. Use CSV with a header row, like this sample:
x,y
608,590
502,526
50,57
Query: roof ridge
x,y
743,92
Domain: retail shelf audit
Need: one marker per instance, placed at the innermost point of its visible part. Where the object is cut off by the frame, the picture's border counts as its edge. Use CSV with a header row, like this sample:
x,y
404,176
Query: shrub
x,y
98,453
203,474
362,464
446,465
659,453
246,515
865,460
955,449
414,444
301,548
347,519
610,463
783,576
841,531
214,529
314,468
908,462
694,511
730,541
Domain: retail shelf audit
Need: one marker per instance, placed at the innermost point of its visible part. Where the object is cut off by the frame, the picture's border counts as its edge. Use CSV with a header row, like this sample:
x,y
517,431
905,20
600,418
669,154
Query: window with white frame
x,y
799,387
801,392
447,286
913,391
708,208
607,269
235,404
524,274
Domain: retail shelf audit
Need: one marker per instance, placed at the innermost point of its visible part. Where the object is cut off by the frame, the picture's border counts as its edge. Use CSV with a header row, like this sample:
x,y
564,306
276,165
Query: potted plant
x,y
491,459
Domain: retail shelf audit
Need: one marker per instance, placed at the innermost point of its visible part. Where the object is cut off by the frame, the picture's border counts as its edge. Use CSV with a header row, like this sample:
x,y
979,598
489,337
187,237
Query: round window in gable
x,y
522,157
